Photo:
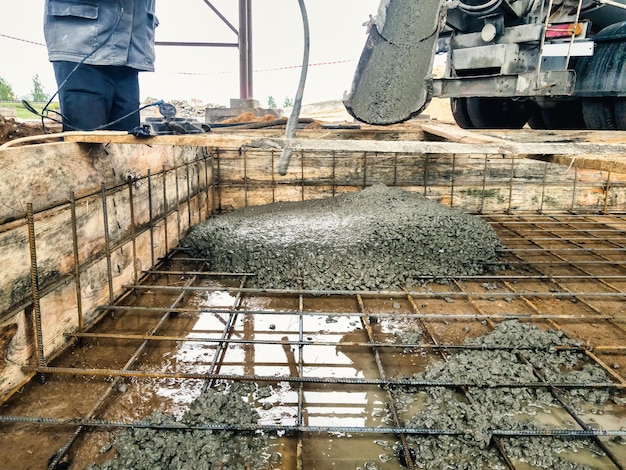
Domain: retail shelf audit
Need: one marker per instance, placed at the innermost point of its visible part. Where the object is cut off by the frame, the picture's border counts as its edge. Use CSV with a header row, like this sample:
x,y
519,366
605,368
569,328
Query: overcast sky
x,y
211,74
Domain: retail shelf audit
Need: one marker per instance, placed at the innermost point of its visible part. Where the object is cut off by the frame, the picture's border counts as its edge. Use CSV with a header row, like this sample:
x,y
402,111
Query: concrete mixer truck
x,y
551,64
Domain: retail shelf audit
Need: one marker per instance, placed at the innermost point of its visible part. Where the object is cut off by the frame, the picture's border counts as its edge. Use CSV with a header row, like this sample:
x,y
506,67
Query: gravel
x,y
154,449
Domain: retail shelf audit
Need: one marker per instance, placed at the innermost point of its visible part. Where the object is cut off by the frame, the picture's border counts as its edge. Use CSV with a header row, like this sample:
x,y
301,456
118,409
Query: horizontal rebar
x,y
596,262
387,315
564,239
314,380
478,277
549,218
177,426
315,342
563,250
197,273
380,293
601,227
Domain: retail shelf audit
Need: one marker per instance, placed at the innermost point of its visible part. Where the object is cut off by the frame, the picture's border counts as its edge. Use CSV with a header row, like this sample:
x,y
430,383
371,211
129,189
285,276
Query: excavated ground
x,y
10,129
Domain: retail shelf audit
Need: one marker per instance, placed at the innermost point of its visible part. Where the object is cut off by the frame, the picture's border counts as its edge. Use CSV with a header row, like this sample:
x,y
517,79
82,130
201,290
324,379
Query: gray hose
x,y
292,122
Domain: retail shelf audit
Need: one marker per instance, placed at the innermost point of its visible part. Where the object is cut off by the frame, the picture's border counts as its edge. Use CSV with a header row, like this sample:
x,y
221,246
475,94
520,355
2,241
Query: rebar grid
x,y
482,183
589,265
574,258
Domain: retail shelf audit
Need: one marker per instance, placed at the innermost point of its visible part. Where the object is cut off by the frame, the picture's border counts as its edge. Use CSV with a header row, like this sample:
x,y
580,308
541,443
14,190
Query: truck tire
x,y
599,114
497,113
601,78
564,115
459,112
536,121
620,114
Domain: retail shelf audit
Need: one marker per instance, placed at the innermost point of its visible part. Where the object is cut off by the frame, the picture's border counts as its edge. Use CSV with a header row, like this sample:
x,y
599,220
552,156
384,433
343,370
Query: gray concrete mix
x,y
485,409
392,80
374,239
154,449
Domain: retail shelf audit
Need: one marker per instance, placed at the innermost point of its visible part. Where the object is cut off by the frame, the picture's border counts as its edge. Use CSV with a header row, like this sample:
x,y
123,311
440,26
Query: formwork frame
x,y
553,235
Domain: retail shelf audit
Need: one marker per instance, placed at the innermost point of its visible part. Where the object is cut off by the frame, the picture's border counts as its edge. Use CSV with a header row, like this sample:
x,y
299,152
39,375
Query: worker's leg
x,y
85,94
125,104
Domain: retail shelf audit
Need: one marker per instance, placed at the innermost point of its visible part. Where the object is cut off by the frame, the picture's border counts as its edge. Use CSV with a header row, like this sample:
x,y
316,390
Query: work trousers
x,y
94,97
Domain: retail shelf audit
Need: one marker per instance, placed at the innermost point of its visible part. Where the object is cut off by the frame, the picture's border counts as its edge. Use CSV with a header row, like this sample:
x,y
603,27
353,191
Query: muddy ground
x,y
10,129
474,411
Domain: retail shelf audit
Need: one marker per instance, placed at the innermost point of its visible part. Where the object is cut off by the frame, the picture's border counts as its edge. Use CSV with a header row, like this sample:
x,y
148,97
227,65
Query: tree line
x,y
37,92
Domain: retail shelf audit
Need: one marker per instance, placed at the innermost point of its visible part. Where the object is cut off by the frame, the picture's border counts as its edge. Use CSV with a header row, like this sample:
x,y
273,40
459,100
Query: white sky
x,y
212,74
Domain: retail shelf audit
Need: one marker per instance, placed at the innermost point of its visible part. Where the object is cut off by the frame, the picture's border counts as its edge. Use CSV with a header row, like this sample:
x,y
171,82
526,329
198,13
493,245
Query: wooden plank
x,y
614,163
456,134
583,149
591,155
569,135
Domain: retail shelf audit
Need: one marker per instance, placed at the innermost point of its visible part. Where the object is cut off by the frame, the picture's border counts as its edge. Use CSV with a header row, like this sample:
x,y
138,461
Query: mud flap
x,y
393,82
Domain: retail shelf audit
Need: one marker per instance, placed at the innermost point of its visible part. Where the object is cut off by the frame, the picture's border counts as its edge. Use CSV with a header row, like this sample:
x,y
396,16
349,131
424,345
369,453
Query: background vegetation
x,y
37,98
23,113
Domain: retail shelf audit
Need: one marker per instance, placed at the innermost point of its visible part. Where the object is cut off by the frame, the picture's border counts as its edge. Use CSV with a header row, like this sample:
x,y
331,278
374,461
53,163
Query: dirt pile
x,y
10,129
249,117
377,238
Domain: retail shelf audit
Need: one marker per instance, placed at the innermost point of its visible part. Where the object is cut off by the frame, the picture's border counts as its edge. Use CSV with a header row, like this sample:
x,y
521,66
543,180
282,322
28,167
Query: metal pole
x,y
249,49
245,50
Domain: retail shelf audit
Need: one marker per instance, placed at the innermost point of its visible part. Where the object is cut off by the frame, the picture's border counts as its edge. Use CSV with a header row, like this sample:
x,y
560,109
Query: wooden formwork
x,y
84,222
79,221
82,218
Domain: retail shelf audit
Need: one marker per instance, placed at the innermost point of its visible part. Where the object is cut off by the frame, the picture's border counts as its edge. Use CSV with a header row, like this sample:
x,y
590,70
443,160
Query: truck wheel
x,y
459,112
565,115
536,121
598,113
497,113
620,114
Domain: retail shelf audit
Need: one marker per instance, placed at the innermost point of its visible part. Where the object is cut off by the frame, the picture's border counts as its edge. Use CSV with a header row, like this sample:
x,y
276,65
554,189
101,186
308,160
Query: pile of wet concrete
x,y
377,238
480,410
155,449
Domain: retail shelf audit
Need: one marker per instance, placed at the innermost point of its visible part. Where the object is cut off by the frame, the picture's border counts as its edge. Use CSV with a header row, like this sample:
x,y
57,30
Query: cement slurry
x,y
374,239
